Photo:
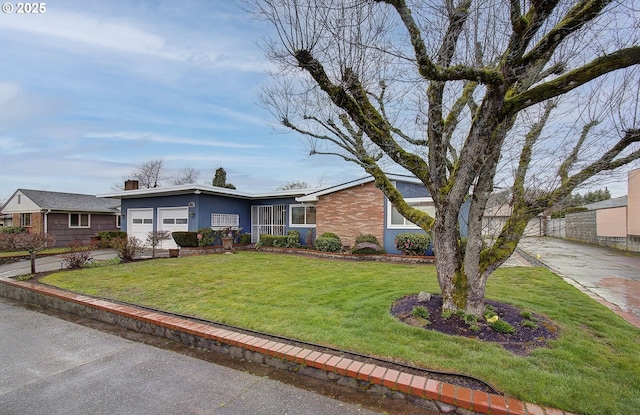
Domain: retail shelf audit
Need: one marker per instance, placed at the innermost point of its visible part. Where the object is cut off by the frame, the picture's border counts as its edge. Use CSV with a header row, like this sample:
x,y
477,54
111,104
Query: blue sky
x,y
91,89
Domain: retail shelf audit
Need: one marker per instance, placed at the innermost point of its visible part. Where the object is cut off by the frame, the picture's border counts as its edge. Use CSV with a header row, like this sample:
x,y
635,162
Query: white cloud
x,y
96,32
151,137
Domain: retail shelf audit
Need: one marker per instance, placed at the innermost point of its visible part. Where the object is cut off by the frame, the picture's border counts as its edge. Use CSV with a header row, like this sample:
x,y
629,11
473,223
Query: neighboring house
x,y
496,216
347,210
68,217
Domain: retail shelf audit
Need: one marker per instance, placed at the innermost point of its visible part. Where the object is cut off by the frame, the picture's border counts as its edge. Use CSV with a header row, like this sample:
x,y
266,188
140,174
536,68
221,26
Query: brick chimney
x,y
131,185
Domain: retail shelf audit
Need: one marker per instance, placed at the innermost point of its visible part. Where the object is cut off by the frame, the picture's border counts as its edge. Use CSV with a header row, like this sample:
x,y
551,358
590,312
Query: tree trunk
x,y
32,256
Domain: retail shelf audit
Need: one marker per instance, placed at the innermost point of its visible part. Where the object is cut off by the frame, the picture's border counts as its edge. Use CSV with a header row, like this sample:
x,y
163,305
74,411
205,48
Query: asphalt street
x,y
53,366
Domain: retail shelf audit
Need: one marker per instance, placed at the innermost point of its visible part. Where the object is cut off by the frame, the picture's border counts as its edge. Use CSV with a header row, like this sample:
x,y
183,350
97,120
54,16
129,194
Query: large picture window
x,y
396,221
79,220
302,216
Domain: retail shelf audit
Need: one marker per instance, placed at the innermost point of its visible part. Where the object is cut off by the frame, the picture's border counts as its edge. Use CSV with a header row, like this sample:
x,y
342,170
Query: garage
x,y
139,223
172,220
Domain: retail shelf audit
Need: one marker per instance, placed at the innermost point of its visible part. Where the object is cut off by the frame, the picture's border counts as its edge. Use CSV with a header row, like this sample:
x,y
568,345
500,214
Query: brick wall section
x,y
37,222
351,212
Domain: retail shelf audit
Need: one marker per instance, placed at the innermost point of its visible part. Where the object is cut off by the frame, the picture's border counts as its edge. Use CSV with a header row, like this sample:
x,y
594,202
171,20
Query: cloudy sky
x,y
91,89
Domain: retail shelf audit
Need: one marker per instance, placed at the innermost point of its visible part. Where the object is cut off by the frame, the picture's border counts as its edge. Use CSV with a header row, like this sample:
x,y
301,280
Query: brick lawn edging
x,y
433,395
403,259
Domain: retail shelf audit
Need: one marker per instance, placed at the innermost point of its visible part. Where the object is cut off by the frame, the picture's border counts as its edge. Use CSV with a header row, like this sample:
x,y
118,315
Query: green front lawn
x,y
592,368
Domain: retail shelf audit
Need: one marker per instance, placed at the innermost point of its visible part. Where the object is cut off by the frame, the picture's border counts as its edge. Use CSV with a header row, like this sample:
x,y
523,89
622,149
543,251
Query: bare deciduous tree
x,y
33,243
459,93
188,175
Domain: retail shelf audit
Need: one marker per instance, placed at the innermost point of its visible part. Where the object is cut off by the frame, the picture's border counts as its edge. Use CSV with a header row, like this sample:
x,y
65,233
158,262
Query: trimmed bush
x,y
281,241
245,239
367,248
365,237
186,239
412,243
330,235
328,244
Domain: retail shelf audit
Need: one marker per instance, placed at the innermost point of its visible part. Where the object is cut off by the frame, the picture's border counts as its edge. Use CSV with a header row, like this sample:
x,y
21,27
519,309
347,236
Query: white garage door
x,y
139,223
172,219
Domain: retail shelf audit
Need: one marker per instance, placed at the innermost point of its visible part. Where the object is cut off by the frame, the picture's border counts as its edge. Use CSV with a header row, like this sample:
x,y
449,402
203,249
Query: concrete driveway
x,y
609,275
52,366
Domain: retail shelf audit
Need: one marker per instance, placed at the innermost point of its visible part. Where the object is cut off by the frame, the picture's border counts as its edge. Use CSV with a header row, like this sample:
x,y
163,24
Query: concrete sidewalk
x,y
52,366
608,275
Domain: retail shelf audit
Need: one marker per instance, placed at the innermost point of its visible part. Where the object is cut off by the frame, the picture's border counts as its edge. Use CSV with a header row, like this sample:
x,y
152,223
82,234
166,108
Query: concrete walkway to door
x,y
608,275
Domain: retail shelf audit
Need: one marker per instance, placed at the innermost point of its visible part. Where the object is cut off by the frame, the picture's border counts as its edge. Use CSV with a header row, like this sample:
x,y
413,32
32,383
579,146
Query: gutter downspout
x,y
46,223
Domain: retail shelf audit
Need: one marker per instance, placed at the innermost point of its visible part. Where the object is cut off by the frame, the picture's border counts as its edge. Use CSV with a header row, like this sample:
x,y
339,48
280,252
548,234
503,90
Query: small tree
x,y
155,238
220,179
33,243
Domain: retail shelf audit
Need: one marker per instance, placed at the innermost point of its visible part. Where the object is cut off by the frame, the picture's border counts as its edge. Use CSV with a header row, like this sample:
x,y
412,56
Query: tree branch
x,y
618,60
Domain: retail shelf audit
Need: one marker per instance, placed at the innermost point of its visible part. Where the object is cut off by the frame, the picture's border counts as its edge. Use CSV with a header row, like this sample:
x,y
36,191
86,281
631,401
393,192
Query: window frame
x,y
80,225
23,220
306,208
406,223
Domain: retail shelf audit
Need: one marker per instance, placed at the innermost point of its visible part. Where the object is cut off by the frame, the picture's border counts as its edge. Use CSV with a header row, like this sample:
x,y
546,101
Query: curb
x,y
433,395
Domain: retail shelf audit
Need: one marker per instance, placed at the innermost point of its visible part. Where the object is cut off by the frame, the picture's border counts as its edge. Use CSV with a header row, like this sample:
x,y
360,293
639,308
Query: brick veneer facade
x,y
351,212
37,222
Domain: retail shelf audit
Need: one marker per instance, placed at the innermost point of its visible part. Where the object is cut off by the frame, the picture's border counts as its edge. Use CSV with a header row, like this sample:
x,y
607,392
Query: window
x,y
118,221
224,220
397,221
25,220
78,220
302,215
140,221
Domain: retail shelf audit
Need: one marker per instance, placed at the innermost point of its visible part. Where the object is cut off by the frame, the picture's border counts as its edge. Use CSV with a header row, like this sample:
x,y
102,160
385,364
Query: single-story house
x,y
68,217
349,209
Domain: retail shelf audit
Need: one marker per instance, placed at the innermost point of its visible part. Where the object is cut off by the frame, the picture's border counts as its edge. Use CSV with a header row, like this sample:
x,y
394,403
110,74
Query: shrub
x,y
77,255
365,237
186,239
328,244
12,229
367,248
293,239
208,237
280,241
412,243
330,235
128,248
245,239
107,238
266,240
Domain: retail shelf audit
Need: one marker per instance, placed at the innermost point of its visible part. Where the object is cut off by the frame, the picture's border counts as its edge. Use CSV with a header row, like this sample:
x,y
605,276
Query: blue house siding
x,y
410,191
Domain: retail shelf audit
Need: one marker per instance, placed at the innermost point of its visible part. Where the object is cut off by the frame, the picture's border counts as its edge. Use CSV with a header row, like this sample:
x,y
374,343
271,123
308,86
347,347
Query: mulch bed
x,y
521,342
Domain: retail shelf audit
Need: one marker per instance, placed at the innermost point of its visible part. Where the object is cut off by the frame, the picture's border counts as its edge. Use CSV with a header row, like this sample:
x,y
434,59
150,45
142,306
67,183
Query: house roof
x,y
315,195
69,202
609,203
198,189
